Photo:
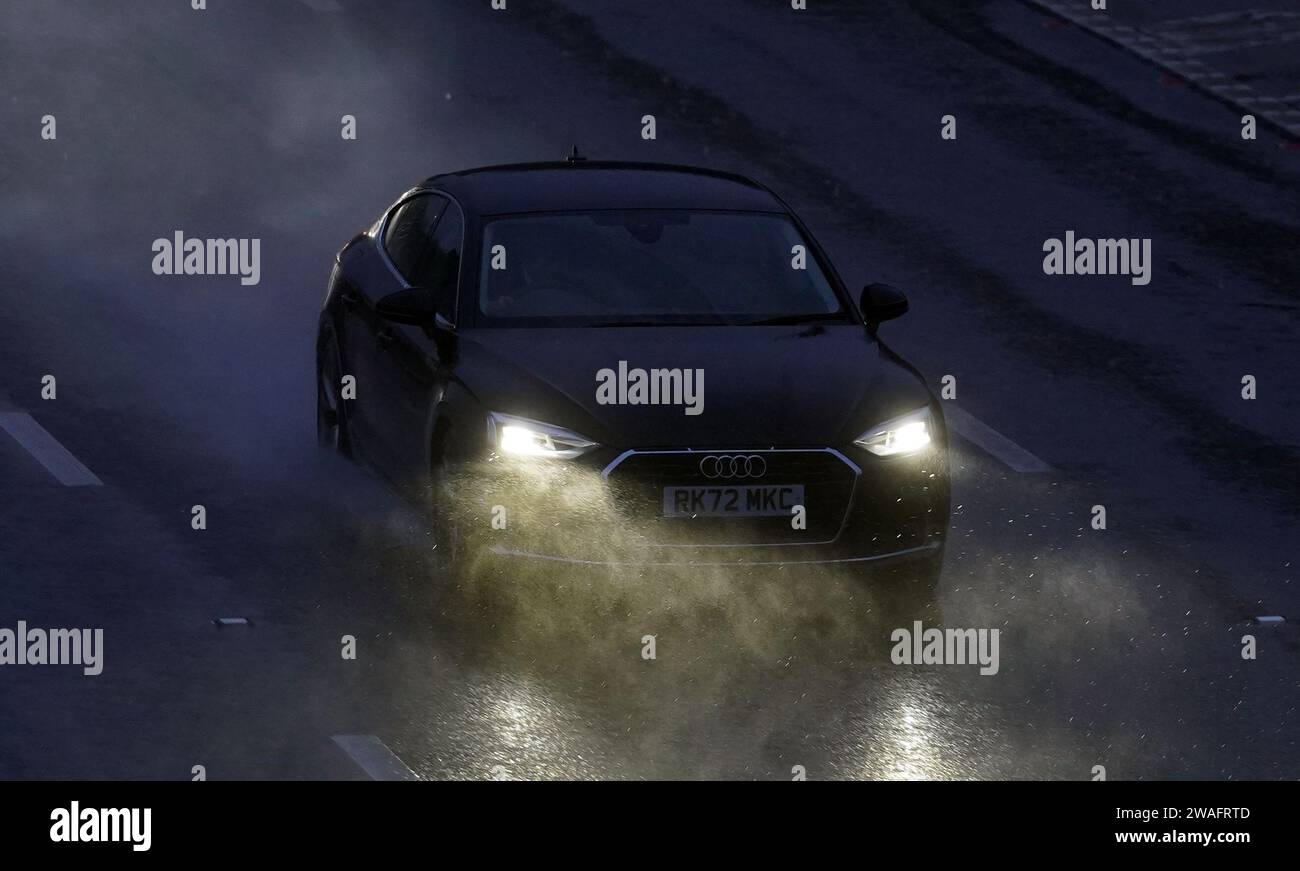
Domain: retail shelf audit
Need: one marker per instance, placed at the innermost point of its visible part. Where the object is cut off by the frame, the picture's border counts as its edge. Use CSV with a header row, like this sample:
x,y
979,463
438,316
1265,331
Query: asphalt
x,y
1119,648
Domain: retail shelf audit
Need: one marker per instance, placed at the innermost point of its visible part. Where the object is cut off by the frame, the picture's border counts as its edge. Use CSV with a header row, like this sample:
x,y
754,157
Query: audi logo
x,y
728,466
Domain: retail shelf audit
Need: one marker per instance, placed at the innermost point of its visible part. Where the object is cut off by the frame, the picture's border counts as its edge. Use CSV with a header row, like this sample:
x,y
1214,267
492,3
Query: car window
x,y
409,230
657,266
439,266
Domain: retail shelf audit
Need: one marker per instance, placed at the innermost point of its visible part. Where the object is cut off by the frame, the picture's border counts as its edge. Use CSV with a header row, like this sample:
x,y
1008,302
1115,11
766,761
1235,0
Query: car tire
x,y
446,540
451,549
333,434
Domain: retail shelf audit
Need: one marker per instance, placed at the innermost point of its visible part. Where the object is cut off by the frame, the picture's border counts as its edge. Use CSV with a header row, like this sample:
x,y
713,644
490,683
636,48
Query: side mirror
x,y
882,302
414,305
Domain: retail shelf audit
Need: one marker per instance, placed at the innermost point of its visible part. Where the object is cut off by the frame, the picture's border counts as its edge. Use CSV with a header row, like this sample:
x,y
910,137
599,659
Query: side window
x,y
408,232
439,269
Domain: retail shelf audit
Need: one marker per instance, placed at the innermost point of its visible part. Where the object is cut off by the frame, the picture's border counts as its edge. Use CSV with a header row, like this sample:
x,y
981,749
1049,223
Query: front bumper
x,y
606,508
703,557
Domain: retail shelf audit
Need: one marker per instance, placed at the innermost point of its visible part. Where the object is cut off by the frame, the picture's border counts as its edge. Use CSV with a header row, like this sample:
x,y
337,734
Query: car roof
x,y
591,184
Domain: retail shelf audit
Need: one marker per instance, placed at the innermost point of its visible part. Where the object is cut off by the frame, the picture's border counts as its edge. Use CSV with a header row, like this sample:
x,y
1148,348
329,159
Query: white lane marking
x,y
56,459
374,757
984,436
322,5
1159,49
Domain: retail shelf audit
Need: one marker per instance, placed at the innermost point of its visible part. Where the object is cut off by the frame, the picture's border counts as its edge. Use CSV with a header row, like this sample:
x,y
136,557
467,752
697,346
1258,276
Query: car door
x,y
397,253
413,366
362,268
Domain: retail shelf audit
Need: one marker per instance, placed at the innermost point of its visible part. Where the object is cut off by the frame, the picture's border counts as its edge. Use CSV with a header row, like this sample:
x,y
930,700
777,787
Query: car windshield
x,y
651,266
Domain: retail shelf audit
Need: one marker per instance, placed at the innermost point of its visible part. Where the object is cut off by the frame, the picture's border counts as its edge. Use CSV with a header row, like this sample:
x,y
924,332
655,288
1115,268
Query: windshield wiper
x,y
822,317
667,323
836,317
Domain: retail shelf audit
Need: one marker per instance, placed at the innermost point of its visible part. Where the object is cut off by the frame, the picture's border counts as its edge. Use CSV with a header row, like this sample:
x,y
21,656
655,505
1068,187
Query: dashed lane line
x,y
983,436
1161,45
374,757
47,451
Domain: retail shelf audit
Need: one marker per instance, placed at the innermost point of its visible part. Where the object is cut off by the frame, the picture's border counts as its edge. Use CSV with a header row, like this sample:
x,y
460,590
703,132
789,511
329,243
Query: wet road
x,y
1119,648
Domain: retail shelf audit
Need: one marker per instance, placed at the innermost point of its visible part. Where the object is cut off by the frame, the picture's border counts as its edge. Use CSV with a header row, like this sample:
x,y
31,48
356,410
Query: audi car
x,y
610,362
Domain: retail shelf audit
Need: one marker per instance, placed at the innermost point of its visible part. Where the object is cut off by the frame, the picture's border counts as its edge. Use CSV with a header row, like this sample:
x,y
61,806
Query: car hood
x,y
762,386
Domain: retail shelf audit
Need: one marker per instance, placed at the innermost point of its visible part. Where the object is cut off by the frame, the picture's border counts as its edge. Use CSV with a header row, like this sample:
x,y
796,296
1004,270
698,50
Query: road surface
x,y
1120,648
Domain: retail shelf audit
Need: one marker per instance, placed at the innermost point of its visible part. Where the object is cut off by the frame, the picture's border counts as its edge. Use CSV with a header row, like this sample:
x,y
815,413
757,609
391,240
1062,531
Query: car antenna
x,y
574,156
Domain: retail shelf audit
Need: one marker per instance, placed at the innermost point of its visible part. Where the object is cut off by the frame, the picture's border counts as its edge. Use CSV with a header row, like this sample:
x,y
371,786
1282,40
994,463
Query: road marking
x,y
322,5
56,459
1171,49
992,441
374,757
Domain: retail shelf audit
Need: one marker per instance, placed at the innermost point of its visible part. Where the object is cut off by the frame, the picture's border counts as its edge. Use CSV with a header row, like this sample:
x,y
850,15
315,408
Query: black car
x,y
625,362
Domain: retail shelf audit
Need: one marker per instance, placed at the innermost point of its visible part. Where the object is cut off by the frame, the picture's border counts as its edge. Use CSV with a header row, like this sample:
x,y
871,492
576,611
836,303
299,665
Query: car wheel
x,y
446,540
449,544
332,433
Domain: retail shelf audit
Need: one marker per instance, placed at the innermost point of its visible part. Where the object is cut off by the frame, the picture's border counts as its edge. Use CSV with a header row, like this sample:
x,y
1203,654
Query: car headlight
x,y
902,435
521,437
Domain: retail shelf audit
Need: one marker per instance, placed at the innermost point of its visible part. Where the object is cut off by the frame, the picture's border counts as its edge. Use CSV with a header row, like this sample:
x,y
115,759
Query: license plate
x,y
748,500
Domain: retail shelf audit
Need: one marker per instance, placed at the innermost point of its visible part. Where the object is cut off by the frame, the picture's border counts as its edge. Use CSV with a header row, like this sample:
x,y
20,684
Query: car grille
x,y
638,478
